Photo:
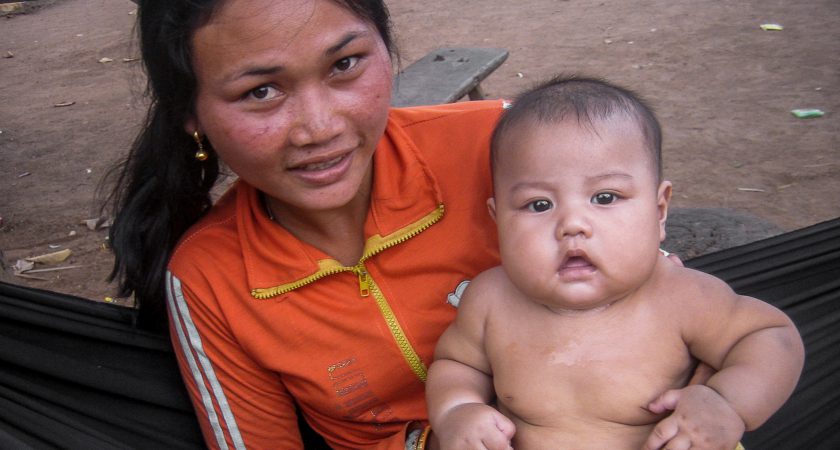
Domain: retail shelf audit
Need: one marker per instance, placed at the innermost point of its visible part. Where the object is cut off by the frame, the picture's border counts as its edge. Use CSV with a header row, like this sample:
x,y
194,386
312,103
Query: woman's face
x,y
293,95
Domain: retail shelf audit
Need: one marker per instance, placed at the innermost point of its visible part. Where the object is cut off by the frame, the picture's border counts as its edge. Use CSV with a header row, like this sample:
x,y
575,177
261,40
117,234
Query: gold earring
x,y
200,154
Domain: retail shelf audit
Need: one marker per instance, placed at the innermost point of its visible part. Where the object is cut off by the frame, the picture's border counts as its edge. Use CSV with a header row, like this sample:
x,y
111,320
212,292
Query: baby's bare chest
x,y
550,376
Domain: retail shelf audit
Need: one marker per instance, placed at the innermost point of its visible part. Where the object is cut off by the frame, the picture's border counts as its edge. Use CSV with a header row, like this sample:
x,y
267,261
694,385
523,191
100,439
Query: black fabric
x,y
798,272
76,374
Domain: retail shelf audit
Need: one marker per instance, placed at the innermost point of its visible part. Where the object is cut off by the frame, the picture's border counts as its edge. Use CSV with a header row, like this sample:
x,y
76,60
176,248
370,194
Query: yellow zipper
x,y
373,245
410,355
367,285
364,281
326,267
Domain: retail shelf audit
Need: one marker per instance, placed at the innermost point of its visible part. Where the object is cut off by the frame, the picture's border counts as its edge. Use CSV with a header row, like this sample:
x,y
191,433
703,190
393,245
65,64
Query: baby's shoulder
x,y
488,289
682,286
492,277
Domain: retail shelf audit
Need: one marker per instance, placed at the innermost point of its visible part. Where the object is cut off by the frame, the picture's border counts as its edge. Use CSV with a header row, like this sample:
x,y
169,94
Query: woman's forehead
x,y
250,18
242,30
235,11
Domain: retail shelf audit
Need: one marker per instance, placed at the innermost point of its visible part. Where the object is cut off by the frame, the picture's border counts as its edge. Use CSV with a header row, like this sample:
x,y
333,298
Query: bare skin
x,y
586,337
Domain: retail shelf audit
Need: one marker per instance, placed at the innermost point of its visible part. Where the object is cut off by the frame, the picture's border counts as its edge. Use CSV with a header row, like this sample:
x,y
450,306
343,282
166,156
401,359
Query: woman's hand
x,y
701,419
702,374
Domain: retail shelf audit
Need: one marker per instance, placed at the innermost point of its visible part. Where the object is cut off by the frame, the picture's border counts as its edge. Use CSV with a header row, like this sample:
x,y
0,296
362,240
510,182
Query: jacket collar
x,y
405,200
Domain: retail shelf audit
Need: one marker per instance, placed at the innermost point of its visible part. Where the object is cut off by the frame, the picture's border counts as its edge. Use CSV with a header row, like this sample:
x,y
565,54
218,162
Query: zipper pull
x,y
364,283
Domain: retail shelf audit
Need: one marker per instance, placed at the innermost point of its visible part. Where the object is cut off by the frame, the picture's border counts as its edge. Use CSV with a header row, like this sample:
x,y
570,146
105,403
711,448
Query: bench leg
x,y
476,93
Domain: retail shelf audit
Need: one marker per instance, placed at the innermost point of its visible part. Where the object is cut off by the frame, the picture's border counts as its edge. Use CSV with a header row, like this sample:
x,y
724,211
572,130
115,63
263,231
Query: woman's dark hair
x,y
160,188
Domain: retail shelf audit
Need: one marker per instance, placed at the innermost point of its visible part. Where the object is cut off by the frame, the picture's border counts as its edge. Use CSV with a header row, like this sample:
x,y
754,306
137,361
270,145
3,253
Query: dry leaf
x,y
51,258
771,27
11,7
22,266
9,54
59,105
106,60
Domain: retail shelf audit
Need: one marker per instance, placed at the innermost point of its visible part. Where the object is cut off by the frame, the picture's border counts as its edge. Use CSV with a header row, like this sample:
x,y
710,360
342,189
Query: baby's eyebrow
x,y
531,185
610,175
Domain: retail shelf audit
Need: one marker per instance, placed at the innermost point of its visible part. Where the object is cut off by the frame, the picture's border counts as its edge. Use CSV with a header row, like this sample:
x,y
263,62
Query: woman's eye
x,y
604,198
264,92
539,205
345,64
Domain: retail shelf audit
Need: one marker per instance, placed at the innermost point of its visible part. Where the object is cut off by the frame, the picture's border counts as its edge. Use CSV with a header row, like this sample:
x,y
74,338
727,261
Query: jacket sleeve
x,y
238,403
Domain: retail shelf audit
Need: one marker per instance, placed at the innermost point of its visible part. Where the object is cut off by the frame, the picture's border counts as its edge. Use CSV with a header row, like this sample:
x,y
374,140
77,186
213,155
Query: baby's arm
x,y
755,348
459,387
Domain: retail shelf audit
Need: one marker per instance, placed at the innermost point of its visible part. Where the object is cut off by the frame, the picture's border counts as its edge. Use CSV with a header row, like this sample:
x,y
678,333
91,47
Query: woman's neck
x,y
337,232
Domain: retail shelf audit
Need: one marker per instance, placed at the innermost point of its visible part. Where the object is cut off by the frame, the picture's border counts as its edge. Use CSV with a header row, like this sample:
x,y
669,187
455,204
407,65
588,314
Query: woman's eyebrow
x,y
272,70
258,71
346,39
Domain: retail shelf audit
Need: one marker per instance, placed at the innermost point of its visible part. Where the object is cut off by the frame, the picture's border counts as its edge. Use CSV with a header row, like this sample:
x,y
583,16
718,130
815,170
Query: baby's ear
x,y
491,207
663,197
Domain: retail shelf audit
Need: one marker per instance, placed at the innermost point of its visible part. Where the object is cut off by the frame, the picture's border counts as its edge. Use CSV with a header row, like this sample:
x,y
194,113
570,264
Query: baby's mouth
x,y
575,261
576,264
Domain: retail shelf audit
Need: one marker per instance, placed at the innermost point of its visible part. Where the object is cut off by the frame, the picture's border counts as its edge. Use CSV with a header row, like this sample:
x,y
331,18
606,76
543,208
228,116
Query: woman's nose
x,y
316,118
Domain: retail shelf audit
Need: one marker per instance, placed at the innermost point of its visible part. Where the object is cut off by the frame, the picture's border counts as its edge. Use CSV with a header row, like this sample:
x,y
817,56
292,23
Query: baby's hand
x,y
474,426
701,419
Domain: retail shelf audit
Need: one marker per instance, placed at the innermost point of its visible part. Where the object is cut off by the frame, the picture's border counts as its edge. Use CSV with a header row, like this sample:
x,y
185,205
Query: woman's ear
x,y
491,207
191,125
663,197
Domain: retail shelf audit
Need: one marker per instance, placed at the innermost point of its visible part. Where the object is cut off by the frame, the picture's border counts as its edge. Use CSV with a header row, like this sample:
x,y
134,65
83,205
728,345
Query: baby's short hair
x,y
585,99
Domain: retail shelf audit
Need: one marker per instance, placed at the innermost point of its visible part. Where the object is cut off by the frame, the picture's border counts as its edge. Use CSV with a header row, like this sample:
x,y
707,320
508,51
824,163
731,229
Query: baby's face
x,y
579,211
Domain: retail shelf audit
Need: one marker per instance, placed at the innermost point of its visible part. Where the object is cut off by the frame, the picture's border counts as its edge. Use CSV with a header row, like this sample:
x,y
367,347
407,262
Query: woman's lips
x,y
320,165
323,172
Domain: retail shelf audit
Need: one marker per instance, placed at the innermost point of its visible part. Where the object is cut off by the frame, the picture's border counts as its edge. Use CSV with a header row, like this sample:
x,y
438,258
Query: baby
x,y
586,336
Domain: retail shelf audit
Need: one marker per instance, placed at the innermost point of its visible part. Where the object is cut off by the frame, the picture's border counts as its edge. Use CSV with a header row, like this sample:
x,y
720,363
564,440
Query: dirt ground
x,y
723,87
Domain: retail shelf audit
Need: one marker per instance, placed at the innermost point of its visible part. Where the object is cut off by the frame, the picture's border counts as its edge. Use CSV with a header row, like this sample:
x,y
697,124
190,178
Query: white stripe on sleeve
x,y
191,343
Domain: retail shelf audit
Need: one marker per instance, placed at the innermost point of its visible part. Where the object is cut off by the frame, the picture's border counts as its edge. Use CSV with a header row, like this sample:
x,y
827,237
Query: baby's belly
x,y
580,436
588,405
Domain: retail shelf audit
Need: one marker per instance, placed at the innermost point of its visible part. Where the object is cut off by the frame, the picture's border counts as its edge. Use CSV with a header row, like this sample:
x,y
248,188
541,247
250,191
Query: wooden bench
x,y
446,75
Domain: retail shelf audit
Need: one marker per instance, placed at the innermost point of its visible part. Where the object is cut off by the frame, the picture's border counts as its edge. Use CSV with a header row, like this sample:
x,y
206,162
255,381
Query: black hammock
x,y
75,374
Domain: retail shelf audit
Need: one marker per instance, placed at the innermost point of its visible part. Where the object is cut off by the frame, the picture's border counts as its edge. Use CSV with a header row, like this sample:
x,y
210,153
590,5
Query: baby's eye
x,y
345,64
263,93
539,205
604,198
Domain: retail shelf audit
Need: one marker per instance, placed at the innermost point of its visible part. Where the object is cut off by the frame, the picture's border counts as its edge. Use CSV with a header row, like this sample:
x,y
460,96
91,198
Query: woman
x,y
319,281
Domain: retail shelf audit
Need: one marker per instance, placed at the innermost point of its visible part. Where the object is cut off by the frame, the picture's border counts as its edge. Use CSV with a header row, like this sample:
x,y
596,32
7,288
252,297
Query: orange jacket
x,y
263,323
